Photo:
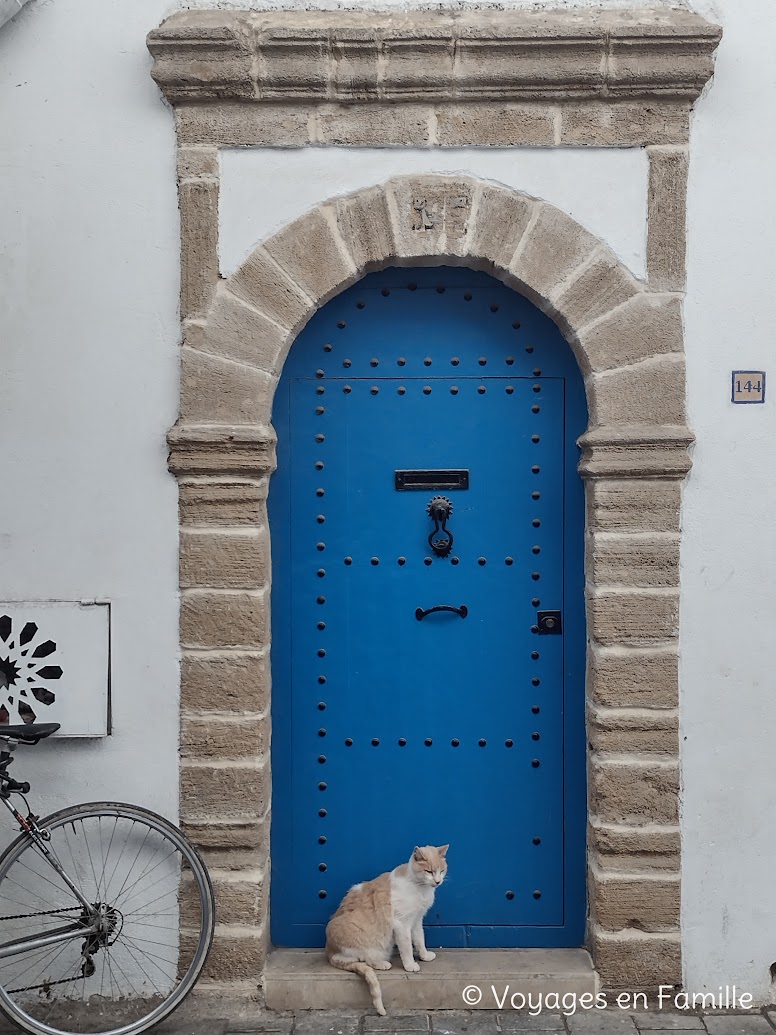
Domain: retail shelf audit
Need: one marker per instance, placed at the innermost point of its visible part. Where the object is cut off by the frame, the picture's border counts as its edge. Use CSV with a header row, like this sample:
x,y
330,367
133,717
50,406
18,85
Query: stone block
x,y
647,903
397,1022
496,125
235,791
220,391
224,450
312,252
633,619
459,1022
365,223
198,202
231,124
624,123
431,215
602,285
244,736
230,681
646,325
197,161
213,619
501,219
237,331
619,678
636,451
633,505
354,64
238,954
239,901
294,62
262,284
374,125
636,960
233,860
416,62
619,732
203,59
225,560
519,1022
554,245
222,502
329,1022
651,392
232,836
629,848
531,65
635,561
667,218
611,1021
658,1022
636,66
737,1024
635,793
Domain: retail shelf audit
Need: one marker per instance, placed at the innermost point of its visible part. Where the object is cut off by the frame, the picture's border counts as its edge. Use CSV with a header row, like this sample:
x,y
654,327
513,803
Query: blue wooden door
x,y
392,726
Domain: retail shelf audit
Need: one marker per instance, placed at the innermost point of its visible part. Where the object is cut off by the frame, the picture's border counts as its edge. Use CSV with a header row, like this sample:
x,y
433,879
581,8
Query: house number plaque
x,y
748,386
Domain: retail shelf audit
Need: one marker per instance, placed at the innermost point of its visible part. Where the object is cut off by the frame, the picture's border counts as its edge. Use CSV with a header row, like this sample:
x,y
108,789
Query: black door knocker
x,y
441,539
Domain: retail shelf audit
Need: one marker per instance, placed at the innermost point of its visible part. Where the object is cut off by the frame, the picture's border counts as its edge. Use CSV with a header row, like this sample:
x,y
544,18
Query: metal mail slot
x,y
406,480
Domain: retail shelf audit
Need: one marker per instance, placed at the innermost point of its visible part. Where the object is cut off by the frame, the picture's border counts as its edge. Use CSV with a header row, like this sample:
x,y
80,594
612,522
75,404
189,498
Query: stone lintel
x,y
356,57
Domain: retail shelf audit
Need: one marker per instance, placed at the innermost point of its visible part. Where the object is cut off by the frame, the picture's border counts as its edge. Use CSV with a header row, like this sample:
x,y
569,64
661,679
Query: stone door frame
x,y
289,79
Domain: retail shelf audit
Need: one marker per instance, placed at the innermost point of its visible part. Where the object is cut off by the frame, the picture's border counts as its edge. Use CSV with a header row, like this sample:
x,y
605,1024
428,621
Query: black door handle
x,y
420,614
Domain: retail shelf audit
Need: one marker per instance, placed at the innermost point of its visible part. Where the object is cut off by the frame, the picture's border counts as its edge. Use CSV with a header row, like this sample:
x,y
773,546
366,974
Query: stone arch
x,y
628,341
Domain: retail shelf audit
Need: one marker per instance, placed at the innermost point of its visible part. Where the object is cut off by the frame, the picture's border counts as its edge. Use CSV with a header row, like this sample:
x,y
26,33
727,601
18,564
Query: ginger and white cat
x,y
385,912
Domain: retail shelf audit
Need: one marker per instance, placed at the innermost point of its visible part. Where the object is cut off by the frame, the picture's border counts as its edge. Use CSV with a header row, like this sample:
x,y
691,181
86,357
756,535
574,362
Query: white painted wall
x,y
728,648
88,336
88,369
265,188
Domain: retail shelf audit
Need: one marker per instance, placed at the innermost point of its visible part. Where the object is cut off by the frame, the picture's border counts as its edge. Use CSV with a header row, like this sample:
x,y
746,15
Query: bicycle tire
x,y
86,1019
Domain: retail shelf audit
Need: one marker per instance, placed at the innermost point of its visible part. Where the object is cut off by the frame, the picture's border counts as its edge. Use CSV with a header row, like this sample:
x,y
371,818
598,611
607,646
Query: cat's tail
x,y
366,972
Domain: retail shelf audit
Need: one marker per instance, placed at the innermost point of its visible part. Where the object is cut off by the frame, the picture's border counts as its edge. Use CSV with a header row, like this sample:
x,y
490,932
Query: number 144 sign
x,y
748,386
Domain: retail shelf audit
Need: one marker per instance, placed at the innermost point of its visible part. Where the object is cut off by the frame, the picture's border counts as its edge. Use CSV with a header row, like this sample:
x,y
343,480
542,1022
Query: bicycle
x,y
109,908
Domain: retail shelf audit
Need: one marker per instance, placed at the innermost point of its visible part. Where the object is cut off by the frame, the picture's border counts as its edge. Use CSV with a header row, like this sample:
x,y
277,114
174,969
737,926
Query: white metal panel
x,y
54,665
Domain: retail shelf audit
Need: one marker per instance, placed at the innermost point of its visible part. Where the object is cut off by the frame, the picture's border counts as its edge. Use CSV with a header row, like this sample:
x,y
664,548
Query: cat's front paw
x,y
427,956
381,965
412,968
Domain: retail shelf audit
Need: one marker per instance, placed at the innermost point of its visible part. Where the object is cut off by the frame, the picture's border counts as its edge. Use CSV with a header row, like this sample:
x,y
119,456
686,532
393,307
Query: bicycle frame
x,y
30,827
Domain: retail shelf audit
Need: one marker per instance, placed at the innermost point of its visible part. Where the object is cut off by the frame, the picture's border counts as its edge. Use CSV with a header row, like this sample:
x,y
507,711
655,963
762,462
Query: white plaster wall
x,y
728,647
88,338
266,188
88,369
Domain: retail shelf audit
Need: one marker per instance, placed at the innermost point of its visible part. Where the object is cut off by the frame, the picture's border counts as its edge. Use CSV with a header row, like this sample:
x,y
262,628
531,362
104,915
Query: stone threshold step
x,y
302,979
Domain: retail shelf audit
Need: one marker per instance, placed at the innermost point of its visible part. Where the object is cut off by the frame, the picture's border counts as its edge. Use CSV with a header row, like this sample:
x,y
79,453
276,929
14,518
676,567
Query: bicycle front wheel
x,y
140,922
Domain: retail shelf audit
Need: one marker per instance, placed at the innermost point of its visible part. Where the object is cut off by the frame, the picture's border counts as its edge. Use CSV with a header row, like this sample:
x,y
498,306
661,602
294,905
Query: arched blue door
x,y
395,724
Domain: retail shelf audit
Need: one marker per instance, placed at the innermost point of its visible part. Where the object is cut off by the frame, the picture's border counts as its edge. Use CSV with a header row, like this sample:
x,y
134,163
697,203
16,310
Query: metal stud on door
x,y
427,536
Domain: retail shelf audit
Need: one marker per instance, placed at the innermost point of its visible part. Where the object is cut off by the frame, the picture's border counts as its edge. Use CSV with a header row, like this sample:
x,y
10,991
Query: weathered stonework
x,y
619,902
632,557
303,57
505,79
667,217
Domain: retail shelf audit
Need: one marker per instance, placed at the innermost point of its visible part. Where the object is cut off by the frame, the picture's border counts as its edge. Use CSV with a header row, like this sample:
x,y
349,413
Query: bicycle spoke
x,y
145,873
128,969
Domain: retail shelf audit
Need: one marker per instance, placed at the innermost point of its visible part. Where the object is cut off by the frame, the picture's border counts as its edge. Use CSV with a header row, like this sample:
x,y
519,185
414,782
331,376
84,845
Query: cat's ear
x,y
418,854
443,850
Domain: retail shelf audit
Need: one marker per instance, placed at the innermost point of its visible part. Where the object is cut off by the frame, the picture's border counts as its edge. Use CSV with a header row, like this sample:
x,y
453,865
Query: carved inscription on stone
x,y
423,220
